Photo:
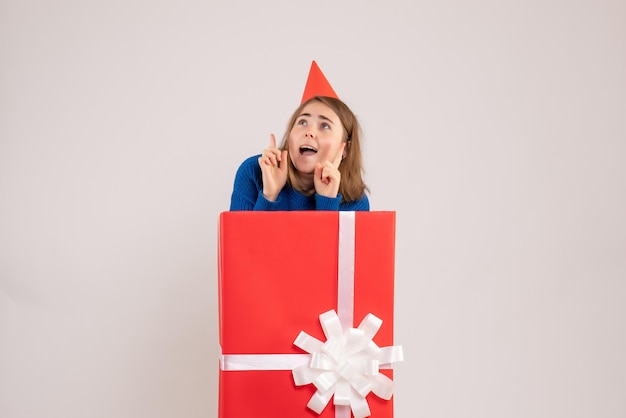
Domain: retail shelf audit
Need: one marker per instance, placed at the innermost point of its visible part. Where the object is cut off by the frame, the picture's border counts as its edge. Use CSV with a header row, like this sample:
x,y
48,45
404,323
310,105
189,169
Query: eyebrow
x,y
320,117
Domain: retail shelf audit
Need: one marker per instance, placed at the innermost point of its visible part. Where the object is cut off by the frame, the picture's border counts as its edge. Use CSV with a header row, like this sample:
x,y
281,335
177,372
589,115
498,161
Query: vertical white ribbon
x,y
345,283
345,279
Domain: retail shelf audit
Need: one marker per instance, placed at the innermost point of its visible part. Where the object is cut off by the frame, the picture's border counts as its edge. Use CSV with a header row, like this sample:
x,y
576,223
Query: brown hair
x,y
352,187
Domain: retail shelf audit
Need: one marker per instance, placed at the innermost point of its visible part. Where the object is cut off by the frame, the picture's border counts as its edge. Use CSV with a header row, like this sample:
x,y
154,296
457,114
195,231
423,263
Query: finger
x,y
269,157
339,155
264,159
265,164
274,153
317,174
273,146
284,166
330,174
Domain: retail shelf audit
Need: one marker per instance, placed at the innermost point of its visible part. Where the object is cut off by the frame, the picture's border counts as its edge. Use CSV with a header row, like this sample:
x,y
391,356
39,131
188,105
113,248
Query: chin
x,y
306,169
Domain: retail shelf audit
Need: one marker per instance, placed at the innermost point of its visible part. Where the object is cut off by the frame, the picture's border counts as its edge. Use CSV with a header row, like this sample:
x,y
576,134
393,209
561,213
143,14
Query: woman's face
x,y
315,137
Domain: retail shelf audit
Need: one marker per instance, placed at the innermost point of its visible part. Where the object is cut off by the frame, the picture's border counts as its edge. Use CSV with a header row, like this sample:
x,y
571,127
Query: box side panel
x,y
278,273
374,271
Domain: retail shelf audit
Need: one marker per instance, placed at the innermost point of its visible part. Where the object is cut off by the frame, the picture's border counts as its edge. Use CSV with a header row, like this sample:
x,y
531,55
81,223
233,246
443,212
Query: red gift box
x,y
278,271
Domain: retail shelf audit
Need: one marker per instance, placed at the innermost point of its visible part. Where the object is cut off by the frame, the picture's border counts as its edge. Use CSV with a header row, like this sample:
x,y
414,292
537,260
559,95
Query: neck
x,y
303,183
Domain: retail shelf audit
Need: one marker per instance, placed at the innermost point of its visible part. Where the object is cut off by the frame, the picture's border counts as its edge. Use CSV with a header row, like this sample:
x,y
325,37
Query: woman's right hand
x,y
274,169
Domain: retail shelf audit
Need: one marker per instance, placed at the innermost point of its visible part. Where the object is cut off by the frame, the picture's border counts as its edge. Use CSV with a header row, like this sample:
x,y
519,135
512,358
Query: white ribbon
x,y
346,366
345,277
238,362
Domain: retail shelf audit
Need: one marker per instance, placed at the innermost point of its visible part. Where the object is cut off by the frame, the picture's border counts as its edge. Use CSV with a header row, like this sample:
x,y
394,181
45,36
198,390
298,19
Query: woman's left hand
x,y
327,176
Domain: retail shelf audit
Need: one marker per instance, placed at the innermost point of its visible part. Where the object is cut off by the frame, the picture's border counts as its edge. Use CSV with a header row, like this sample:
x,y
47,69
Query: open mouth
x,y
307,150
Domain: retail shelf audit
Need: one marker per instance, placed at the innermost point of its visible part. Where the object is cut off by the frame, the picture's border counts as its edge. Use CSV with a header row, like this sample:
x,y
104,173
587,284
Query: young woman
x,y
317,167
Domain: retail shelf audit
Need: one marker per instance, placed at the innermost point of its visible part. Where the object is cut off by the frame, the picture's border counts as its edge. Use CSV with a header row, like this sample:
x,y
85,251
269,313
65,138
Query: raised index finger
x,y
339,155
272,141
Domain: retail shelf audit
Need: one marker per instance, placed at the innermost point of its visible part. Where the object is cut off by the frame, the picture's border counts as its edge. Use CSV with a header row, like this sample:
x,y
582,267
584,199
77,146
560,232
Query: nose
x,y
309,133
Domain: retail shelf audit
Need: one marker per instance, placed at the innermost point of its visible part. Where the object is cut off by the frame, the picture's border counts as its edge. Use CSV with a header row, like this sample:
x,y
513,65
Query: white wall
x,y
494,129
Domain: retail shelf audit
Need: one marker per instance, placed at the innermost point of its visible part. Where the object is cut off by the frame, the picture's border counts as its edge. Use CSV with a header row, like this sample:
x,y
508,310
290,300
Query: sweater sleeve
x,y
363,204
263,204
247,185
329,203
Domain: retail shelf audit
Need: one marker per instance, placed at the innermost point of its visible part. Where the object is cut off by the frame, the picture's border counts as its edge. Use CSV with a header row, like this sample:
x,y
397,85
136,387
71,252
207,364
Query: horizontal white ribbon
x,y
242,362
238,362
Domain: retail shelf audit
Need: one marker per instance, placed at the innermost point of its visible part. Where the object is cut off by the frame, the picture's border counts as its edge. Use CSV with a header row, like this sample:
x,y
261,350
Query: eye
x,y
325,125
302,122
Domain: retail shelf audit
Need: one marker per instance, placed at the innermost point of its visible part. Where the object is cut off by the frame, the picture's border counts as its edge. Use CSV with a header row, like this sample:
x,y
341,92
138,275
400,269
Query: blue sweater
x,y
248,194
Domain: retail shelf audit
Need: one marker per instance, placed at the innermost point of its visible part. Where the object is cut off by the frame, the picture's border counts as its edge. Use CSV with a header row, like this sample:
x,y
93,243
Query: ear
x,y
345,150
